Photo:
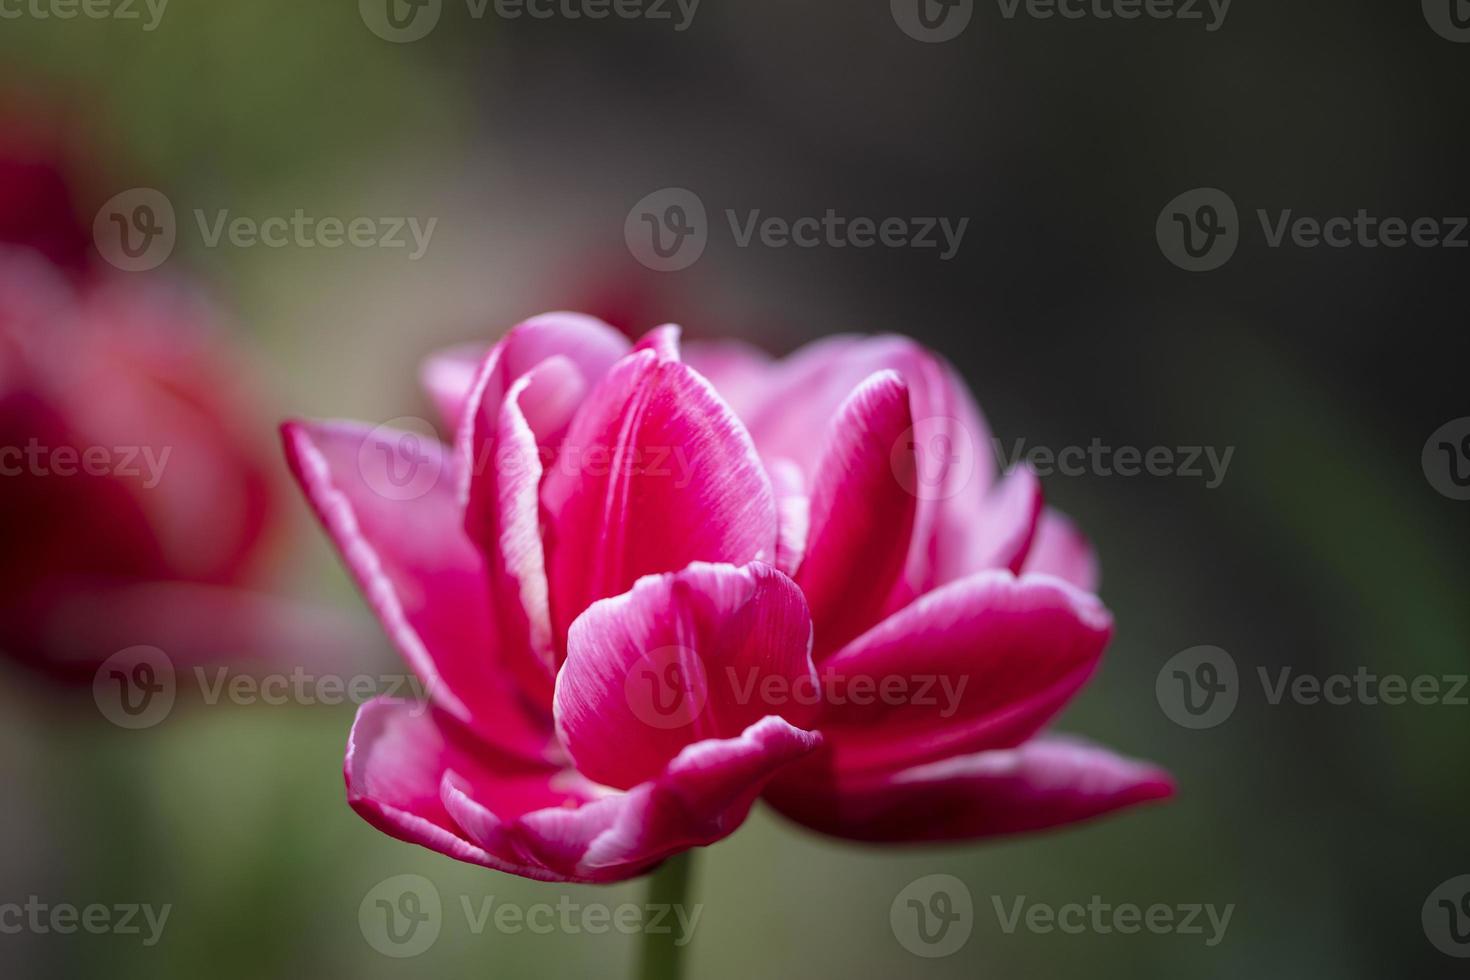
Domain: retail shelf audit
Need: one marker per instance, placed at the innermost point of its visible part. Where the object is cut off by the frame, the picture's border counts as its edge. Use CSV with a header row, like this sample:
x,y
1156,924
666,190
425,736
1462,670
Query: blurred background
x,y
530,143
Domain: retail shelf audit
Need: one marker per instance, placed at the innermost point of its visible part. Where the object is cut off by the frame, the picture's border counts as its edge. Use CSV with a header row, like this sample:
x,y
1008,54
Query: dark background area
x,y
1325,548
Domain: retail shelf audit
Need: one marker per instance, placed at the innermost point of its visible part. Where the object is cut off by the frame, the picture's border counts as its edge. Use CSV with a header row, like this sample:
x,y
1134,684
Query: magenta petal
x,y
1042,783
418,776
679,659
1001,535
447,377
503,515
981,663
1062,550
740,372
656,472
405,545
664,341
793,513
862,512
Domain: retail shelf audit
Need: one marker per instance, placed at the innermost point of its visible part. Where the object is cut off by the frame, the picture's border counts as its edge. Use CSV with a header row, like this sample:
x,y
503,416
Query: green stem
x,y
660,958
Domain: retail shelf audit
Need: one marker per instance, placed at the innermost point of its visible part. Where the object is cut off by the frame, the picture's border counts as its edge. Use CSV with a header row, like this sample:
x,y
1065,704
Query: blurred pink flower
x,y
577,579
38,206
927,571
137,498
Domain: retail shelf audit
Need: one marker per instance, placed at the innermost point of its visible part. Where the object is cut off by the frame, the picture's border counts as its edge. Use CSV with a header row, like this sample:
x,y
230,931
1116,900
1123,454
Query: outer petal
x,y
421,777
700,654
516,412
407,550
862,511
656,472
1062,550
981,663
1046,782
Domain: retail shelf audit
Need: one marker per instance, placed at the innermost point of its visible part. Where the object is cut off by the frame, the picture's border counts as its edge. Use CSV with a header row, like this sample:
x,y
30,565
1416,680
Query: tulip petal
x,y
656,472
793,513
405,545
981,663
448,375
740,372
419,776
663,341
504,516
679,659
1062,550
1045,782
862,512
955,466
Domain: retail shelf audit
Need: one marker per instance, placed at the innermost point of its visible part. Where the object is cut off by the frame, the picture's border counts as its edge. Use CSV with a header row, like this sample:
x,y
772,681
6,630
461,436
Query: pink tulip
x,y
926,571
137,499
576,601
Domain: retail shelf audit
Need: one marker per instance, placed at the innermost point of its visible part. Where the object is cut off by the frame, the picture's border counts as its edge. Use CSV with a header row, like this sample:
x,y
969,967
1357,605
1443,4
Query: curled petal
x,y
405,545
419,776
656,472
700,654
447,377
1046,782
862,511
664,341
1062,550
981,663
793,513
